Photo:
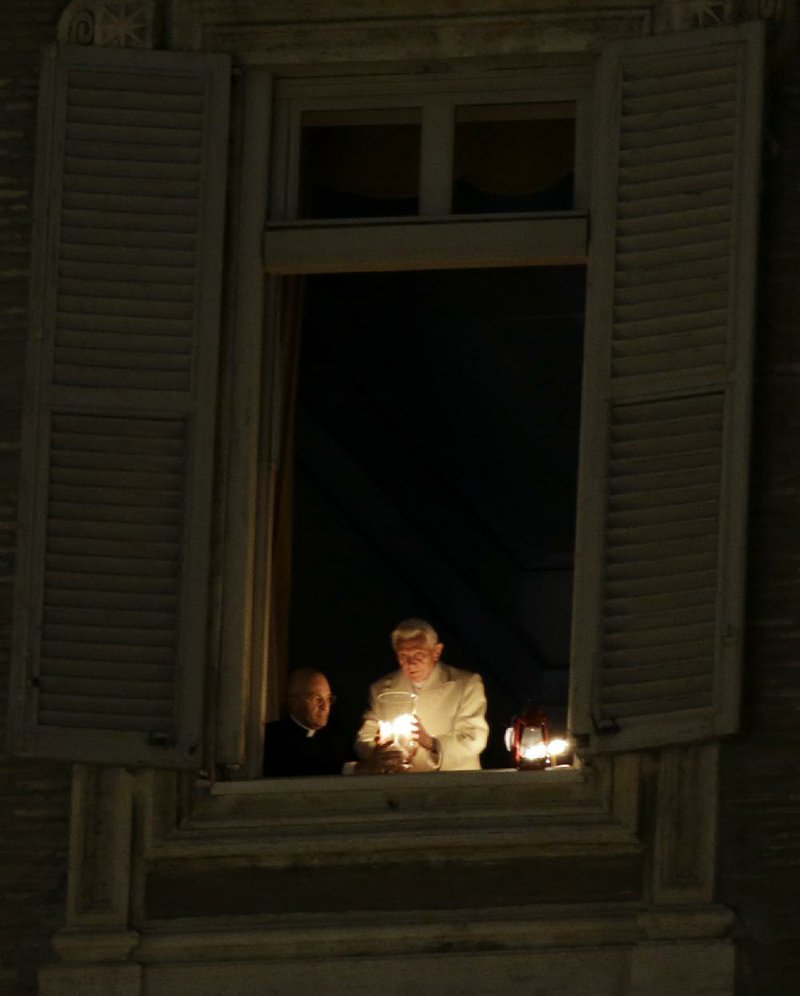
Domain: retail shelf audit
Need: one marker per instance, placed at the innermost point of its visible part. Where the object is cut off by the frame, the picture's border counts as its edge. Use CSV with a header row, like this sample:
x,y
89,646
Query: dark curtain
x,y
281,485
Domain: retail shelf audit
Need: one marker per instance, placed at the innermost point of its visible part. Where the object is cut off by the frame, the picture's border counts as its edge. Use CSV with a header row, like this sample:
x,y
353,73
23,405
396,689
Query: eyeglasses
x,y
321,700
414,656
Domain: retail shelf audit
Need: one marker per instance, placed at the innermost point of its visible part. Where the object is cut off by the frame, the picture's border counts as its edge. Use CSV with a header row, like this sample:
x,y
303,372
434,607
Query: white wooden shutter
x,y
661,536
116,495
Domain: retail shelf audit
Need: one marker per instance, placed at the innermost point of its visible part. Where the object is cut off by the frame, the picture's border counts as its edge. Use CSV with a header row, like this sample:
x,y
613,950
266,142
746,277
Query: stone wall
x,y
33,796
760,825
760,829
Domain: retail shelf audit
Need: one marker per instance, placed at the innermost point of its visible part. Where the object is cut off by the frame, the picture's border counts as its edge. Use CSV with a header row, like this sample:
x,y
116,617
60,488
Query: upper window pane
x,y
360,163
514,157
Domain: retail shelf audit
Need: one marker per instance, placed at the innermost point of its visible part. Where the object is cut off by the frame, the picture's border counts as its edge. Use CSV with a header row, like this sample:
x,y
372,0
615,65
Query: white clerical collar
x,y
429,680
309,731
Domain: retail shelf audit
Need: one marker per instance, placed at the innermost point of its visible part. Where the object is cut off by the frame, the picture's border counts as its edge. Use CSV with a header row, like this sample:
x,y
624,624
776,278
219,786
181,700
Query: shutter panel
x,y
660,550
115,504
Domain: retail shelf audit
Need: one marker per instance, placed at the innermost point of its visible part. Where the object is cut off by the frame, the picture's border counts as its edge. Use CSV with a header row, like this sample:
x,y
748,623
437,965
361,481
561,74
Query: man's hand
x,y
421,735
385,759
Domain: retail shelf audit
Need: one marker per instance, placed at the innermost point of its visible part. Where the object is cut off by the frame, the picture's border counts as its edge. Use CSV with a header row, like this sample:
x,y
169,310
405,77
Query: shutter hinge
x,y
606,727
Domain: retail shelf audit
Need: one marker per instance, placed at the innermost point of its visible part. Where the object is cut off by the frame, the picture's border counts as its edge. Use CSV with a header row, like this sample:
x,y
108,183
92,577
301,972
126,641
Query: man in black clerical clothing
x,y
303,743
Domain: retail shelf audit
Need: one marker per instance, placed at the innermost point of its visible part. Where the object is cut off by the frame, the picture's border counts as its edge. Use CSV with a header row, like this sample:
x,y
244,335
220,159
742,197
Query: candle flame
x,y
535,753
397,731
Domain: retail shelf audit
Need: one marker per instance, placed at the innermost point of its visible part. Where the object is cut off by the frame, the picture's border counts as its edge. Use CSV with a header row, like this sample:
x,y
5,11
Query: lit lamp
x,y
396,712
530,744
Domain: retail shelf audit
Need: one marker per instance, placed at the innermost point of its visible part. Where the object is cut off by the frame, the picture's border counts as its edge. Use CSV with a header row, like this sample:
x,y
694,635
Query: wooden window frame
x,y
437,95
287,247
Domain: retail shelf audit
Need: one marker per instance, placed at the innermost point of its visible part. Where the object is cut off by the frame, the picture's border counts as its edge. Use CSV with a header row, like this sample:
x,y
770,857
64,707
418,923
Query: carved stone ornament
x,y
683,15
109,23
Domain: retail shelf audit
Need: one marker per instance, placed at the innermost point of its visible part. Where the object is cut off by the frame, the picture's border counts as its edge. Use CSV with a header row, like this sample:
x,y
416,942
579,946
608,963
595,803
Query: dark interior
x,y
436,442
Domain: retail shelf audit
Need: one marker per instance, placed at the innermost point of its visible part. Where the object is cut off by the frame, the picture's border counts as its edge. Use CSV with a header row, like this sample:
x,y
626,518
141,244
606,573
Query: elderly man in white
x,y
450,728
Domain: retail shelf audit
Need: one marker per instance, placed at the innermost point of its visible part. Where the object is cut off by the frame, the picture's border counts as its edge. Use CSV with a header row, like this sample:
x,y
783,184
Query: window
x,y
442,144
493,352
359,164
665,399
514,157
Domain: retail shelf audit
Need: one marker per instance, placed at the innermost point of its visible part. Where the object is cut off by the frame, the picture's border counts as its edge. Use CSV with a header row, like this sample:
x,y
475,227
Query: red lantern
x,y
528,739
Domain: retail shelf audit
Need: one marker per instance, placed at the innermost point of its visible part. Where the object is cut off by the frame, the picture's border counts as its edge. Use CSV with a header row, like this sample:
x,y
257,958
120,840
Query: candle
x,y
397,731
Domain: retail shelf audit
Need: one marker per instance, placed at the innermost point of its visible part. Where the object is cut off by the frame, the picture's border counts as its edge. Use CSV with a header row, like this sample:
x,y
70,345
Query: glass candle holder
x,y
396,711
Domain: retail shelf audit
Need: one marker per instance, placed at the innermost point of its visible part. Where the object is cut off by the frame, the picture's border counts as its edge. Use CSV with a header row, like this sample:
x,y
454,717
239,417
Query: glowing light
x,y
397,731
534,753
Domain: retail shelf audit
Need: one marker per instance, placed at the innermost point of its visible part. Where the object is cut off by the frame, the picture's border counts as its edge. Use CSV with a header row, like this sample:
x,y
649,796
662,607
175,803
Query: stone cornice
x,y
257,34
112,23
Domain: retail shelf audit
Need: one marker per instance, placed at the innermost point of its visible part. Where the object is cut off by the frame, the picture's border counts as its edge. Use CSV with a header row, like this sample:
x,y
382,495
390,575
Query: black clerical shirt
x,y
290,752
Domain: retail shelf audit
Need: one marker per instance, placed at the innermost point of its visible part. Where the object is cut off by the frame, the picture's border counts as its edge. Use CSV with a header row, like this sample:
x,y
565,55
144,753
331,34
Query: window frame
x,y
656,806
592,810
240,583
605,74
437,95
287,247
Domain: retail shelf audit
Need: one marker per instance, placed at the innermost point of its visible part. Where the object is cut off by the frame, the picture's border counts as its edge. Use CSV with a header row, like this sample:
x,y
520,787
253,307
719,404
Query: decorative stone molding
x,y
111,23
425,39
281,824
685,15
684,845
100,847
96,942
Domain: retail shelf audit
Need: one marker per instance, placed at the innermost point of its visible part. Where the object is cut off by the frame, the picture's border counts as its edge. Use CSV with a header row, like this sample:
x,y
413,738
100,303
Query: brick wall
x,y
760,826
33,797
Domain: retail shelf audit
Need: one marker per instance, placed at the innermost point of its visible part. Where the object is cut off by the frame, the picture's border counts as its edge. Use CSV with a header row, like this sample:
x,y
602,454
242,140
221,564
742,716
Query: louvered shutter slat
x,y
117,568
77,242
668,369
124,723
85,650
121,690
129,376
154,674
147,156
76,348
656,247
666,131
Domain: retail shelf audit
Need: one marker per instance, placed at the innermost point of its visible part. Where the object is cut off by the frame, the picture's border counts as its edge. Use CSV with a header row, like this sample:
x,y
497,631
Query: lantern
x,y
530,743
396,712
527,739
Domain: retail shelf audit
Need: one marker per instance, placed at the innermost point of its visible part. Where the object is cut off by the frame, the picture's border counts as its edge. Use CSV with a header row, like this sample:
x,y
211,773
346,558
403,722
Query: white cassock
x,y
451,706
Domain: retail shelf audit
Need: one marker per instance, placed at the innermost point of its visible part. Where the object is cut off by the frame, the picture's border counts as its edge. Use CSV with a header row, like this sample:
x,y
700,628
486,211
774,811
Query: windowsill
x,y
427,802
246,848
477,813
347,783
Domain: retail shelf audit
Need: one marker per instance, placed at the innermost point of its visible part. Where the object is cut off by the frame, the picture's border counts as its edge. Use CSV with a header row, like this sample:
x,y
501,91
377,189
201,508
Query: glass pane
x,y
514,157
360,164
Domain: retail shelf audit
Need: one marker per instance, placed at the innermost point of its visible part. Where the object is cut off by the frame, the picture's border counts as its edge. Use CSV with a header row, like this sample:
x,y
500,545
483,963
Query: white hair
x,y
410,629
